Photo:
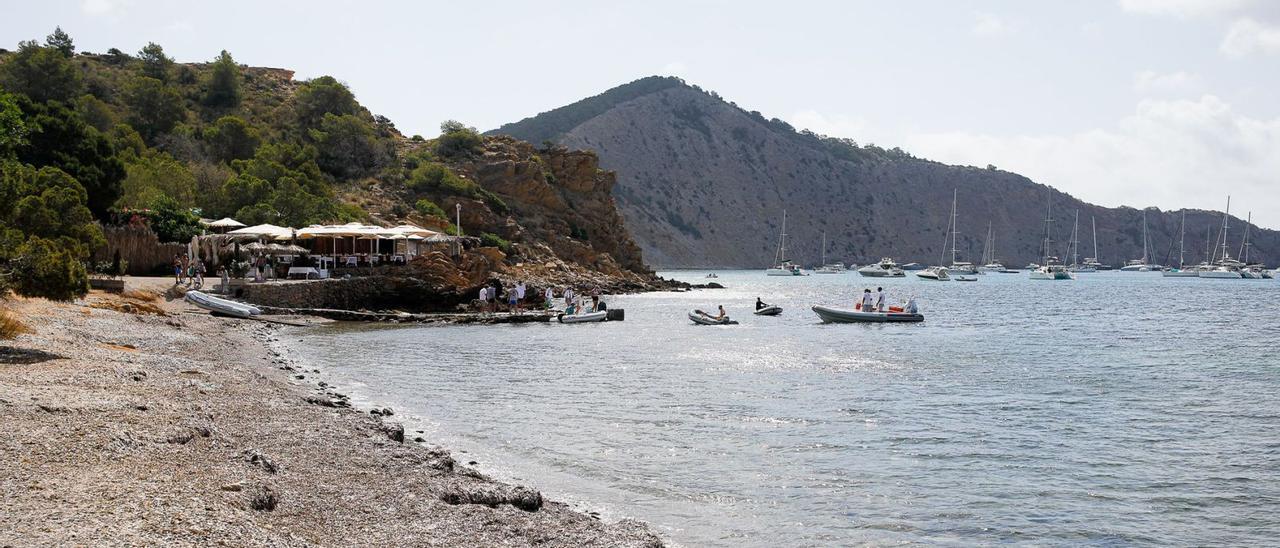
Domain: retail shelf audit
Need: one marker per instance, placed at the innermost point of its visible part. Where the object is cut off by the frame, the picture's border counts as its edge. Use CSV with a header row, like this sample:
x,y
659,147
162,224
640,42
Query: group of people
x,y
188,271
493,296
871,302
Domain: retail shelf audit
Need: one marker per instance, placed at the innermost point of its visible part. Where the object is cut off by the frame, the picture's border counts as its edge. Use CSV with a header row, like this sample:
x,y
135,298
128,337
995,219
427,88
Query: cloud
x,y
103,7
990,24
1166,153
1150,81
1248,36
835,126
675,68
1186,9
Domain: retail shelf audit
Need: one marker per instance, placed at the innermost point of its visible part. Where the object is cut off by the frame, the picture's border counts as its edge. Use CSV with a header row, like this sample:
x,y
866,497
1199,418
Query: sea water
x,y
1115,409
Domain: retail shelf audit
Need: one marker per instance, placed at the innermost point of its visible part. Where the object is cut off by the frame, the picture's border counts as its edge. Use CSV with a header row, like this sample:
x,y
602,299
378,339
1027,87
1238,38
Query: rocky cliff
x,y
703,183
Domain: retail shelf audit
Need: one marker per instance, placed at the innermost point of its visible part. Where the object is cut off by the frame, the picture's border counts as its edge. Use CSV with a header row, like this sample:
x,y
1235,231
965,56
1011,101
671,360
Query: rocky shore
x,y
157,425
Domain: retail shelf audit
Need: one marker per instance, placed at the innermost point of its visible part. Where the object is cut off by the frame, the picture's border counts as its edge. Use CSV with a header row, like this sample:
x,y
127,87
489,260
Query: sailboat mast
x,y
1094,222
954,194
1048,221
1222,235
1144,237
1182,241
1244,251
1075,239
783,249
824,248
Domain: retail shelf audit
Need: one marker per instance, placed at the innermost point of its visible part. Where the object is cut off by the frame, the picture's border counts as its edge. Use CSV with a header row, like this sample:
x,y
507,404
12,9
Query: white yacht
x,y
1074,247
1052,269
782,266
886,268
935,273
989,262
957,267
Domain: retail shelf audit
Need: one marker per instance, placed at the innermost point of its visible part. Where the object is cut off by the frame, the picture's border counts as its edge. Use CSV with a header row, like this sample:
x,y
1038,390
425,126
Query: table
x,y
308,272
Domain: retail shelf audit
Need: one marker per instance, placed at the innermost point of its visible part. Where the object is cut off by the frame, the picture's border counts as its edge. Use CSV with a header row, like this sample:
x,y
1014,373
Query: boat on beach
x,y
702,318
219,305
830,314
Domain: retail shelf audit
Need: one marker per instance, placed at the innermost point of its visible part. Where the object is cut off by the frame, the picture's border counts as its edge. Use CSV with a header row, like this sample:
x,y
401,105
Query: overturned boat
x,y
221,306
846,315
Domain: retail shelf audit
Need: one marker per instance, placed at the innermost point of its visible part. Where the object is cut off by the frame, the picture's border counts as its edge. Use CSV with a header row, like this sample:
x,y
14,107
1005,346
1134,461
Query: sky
x,y
1167,103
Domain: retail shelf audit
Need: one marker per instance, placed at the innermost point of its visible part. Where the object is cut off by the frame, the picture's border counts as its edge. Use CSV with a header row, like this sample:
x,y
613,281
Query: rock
x,y
419,439
300,377
387,412
233,487
253,456
263,499
326,402
492,495
395,431
180,438
375,412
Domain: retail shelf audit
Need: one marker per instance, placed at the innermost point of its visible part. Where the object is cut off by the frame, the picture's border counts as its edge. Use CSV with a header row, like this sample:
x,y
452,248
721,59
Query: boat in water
x,y
781,265
830,314
828,268
1052,269
935,273
1143,264
1221,266
914,266
586,317
769,310
957,266
1181,271
1091,264
989,263
702,318
1073,249
886,268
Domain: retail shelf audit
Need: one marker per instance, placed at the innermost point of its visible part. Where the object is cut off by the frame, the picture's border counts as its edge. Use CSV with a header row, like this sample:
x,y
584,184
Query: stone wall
x,y
346,294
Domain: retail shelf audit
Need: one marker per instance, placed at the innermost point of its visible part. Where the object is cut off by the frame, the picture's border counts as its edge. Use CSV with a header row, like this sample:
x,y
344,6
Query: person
x,y
186,268
484,298
760,304
568,296
880,299
513,303
177,270
867,300
722,315
200,269
224,272
259,265
520,289
549,297
494,295
595,303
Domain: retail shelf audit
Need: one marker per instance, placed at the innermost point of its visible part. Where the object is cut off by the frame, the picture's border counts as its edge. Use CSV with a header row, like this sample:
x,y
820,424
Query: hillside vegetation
x,y
703,183
117,137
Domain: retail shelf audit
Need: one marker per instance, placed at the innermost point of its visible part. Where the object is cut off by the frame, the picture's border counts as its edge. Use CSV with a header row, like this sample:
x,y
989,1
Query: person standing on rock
x,y
520,289
484,298
568,296
549,297
177,270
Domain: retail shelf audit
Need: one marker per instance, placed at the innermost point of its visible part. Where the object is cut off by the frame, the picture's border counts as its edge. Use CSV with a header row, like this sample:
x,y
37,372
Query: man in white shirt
x,y
484,297
520,296
568,296
550,297
880,299
867,300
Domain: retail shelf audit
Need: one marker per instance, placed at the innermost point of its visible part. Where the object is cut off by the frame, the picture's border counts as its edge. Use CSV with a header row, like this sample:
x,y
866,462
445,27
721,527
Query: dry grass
x,y
10,327
140,295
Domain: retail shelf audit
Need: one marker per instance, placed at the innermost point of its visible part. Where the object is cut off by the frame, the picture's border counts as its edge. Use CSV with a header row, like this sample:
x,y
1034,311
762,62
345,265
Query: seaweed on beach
x,y
10,355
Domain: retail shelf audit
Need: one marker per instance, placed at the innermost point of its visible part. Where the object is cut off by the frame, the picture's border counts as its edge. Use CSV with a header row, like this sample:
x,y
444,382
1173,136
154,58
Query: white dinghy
x,y
220,305
587,317
771,310
846,315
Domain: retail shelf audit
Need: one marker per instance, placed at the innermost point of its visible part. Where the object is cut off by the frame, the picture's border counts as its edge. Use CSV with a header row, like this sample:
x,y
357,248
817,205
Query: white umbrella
x,y
226,222
263,230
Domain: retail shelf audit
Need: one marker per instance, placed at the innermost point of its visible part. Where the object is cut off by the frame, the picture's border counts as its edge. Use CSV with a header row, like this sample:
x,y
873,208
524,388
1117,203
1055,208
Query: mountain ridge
x,y
702,181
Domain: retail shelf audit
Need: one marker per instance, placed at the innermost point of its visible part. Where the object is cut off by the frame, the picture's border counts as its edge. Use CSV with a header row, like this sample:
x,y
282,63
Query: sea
x,y
1117,409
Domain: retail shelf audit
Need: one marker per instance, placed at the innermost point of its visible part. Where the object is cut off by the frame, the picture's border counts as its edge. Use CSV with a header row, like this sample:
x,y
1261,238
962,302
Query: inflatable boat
x,y
702,318
771,310
845,315
220,305
588,317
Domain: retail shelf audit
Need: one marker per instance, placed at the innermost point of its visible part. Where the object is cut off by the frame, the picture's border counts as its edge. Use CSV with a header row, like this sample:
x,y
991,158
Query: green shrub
x,y
457,140
489,239
430,209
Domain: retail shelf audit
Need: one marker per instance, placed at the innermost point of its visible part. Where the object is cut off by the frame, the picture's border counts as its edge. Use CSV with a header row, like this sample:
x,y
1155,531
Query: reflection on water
x,y
1118,408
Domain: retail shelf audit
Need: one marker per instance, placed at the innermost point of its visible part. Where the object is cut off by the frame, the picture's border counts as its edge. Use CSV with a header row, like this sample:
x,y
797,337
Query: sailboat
x,y
1052,268
826,268
1222,268
1143,264
939,273
1249,271
1181,271
957,267
782,266
1091,264
989,262
1074,248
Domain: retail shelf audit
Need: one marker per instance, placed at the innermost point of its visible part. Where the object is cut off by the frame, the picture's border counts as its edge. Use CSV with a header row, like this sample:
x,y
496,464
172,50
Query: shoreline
x,y
165,427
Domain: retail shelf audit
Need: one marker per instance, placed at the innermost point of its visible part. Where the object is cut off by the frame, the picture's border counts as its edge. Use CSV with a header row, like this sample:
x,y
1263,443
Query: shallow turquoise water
x,y
1117,409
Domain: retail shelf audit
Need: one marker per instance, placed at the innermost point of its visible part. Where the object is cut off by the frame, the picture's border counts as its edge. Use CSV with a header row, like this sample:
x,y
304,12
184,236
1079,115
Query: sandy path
x,y
184,429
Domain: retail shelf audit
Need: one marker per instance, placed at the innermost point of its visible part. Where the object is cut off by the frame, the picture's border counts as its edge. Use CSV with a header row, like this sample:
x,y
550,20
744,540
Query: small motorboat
x,y
221,306
846,315
769,310
586,317
702,318
965,279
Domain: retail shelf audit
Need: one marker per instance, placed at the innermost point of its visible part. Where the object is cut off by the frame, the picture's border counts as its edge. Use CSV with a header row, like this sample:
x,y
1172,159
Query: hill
x,y
152,140
703,183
